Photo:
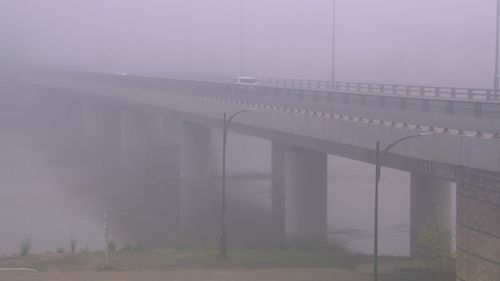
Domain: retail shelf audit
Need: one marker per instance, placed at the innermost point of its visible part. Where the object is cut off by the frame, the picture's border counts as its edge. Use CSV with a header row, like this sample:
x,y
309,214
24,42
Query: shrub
x,y
112,245
72,244
25,247
85,250
433,246
60,250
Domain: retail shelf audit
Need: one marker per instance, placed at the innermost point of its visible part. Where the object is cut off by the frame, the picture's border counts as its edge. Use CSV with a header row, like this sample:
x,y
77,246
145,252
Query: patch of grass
x,y
168,259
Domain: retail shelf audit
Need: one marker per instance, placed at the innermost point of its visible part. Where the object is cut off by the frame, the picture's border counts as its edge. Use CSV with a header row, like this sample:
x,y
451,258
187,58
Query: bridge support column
x,y
199,224
430,209
147,199
278,151
102,141
305,197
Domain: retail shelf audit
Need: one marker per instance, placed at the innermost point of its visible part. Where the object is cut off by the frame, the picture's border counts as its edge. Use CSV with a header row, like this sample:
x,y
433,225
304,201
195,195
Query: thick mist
x,y
443,42
428,42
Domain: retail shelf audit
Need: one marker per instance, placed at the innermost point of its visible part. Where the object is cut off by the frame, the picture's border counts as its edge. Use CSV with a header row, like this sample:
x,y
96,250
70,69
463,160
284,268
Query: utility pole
x,y
106,236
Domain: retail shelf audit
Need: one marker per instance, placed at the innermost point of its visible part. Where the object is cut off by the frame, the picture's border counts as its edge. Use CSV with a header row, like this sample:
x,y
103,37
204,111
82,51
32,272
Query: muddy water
x,y
37,198
350,197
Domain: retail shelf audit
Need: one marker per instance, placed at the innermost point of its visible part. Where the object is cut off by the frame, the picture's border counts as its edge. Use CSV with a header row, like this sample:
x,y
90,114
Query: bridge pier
x,y
430,208
102,155
147,199
305,197
278,151
198,197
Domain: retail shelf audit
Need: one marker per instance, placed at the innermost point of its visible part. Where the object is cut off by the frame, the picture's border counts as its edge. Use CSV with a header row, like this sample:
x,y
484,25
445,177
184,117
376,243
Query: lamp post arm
x,y
384,152
228,120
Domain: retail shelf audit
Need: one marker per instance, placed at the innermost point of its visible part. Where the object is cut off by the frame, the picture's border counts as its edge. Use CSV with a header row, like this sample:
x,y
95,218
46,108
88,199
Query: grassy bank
x,y
140,260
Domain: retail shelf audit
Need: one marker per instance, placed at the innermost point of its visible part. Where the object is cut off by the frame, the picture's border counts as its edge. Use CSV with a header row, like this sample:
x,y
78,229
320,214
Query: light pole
x,y
379,157
496,80
332,73
225,127
242,38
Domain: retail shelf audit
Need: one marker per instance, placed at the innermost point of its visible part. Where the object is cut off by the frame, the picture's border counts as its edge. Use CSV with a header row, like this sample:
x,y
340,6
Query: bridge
x,y
305,121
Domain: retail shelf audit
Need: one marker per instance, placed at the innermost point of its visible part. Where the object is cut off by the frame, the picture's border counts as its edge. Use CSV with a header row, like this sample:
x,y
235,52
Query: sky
x,y
436,42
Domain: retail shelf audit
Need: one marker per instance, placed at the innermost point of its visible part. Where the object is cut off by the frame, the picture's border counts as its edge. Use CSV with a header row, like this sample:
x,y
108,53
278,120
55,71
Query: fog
x,y
426,42
437,42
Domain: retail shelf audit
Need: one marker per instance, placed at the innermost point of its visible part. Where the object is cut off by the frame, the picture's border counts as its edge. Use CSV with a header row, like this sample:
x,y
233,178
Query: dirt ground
x,y
288,274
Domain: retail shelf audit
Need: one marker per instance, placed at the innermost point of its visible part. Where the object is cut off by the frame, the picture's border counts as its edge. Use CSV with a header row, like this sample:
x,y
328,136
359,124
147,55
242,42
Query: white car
x,y
246,80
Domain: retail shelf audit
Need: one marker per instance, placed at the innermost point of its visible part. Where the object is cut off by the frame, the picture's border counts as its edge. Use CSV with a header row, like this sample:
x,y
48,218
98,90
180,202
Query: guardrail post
x,y
425,105
450,107
478,110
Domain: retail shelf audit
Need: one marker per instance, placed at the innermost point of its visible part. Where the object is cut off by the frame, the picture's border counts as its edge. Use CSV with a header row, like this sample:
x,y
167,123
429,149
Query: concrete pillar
x,y
278,151
199,212
102,141
147,200
430,207
305,196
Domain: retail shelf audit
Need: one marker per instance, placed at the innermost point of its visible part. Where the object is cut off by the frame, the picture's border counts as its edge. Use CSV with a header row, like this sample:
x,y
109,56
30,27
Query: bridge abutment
x,y
198,196
430,212
305,197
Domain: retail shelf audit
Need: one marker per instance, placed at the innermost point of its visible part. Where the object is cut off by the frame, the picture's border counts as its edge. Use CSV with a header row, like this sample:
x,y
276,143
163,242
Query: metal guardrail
x,y
471,115
375,88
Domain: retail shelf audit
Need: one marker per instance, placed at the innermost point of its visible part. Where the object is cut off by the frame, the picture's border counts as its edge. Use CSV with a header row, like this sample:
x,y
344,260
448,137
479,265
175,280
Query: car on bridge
x,y
246,80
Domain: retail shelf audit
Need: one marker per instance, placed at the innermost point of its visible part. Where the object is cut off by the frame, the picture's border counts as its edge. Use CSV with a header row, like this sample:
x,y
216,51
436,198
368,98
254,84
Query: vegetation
x,y
84,250
25,247
60,250
72,244
139,260
112,245
127,246
433,245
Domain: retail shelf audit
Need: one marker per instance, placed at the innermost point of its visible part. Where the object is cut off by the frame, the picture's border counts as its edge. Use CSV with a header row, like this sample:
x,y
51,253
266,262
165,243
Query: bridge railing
x,y
470,115
359,87
389,89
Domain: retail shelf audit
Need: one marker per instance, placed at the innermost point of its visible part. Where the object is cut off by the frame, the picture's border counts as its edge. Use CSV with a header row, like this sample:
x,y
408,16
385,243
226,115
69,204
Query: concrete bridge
x,y
305,124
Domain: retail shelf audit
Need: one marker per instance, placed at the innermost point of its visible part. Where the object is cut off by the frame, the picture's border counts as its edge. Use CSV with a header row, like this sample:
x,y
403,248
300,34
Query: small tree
x,y
433,245
72,244
112,245
25,247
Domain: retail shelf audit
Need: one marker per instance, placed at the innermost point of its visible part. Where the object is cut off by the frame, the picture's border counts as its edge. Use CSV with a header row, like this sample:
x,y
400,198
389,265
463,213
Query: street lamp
x,y
332,71
379,157
225,127
242,38
496,80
